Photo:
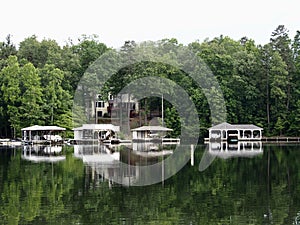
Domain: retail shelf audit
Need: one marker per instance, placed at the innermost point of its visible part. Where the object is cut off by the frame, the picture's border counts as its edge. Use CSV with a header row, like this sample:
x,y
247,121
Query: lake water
x,y
70,187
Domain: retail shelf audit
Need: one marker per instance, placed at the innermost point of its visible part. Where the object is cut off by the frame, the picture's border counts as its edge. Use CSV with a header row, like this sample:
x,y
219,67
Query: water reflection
x,y
227,150
43,153
123,164
256,190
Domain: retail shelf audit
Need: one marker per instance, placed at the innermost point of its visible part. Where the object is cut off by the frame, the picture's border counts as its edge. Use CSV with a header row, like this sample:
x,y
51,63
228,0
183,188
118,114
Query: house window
x,y
100,104
99,113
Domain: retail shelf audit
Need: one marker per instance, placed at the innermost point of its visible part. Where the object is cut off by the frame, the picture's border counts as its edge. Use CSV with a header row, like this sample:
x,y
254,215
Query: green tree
x,y
70,64
274,81
281,43
57,101
295,108
172,120
32,95
295,120
7,48
10,88
86,52
279,126
41,53
29,49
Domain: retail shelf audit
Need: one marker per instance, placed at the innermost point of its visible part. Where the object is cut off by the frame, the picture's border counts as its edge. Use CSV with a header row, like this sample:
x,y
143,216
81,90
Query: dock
x,y
280,139
271,140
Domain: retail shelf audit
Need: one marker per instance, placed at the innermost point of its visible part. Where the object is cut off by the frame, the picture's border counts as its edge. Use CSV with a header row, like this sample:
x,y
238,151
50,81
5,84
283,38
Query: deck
x,y
267,140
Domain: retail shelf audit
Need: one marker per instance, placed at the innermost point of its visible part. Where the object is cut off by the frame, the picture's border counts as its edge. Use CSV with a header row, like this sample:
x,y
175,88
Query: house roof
x,y
98,127
43,128
228,126
152,128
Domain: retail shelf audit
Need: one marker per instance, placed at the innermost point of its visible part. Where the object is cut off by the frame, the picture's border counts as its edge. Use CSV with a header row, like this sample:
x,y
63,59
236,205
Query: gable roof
x,y
43,128
98,127
228,126
152,128
221,126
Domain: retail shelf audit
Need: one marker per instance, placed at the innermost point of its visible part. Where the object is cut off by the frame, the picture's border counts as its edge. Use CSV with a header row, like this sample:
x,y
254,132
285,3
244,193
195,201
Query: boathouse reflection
x,y
239,149
42,153
121,164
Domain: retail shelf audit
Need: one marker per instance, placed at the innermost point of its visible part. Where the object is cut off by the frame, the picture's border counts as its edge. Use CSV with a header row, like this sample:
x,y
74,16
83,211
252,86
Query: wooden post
x,y
162,110
192,155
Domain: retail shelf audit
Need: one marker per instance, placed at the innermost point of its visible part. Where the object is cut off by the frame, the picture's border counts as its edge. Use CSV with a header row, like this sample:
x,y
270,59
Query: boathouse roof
x,y
98,127
152,128
228,126
43,128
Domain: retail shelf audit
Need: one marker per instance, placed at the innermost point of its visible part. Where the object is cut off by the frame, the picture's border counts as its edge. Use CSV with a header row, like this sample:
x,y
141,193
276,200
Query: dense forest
x,y
260,84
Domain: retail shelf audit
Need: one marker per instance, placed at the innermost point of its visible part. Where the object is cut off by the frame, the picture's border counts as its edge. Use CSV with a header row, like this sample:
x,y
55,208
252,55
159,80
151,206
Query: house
x,y
235,132
103,107
42,134
111,107
94,132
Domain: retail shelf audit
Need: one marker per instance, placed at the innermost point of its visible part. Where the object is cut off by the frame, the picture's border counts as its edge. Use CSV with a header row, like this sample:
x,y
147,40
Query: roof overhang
x,y
152,128
43,128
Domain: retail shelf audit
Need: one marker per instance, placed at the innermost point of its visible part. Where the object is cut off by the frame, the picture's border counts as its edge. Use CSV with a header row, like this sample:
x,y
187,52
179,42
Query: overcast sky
x,y
116,21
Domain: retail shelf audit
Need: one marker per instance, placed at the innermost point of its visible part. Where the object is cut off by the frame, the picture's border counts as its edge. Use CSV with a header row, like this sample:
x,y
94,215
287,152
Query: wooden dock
x,y
280,139
266,140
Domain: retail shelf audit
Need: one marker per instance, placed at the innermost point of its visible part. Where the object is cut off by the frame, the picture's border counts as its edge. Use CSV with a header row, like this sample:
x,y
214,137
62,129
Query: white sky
x,y
116,21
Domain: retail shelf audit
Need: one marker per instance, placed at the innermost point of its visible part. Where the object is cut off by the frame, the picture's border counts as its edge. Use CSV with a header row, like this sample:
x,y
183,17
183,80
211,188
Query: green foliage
x,y
31,100
279,126
260,83
11,93
7,49
173,121
57,100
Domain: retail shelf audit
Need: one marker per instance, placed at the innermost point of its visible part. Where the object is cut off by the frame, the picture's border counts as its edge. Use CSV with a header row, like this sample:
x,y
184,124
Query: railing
x,y
281,139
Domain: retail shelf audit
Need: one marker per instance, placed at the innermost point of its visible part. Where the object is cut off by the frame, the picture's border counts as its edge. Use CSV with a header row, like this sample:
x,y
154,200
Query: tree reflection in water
x,y
259,190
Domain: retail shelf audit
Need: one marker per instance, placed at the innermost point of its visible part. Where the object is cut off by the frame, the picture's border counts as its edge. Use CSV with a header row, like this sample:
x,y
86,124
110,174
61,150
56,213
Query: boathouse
x,y
92,132
149,133
42,134
235,132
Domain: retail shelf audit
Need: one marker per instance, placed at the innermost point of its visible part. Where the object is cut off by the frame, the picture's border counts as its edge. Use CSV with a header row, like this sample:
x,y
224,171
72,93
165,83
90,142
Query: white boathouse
x,y
149,133
42,134
235,132
92,132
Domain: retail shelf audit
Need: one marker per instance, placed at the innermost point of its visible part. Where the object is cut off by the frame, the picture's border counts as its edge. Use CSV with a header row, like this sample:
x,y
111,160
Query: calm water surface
x,y
261,189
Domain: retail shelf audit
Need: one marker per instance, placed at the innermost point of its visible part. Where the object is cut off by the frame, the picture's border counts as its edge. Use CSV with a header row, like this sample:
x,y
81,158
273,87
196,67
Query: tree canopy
x,y
260,83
